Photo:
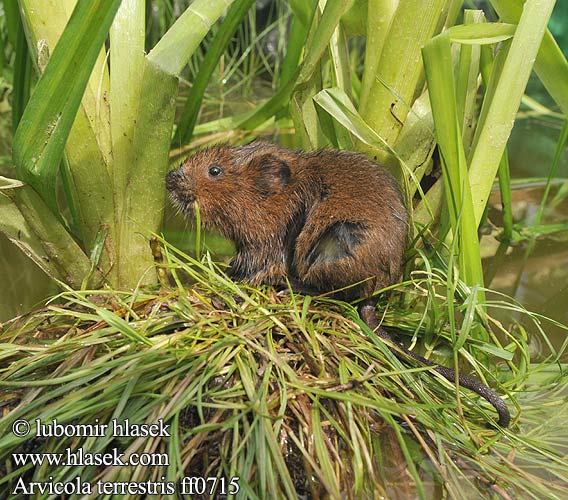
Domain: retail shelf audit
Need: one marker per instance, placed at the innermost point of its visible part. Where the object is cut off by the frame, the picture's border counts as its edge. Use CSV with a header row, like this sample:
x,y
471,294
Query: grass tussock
x,y
293,395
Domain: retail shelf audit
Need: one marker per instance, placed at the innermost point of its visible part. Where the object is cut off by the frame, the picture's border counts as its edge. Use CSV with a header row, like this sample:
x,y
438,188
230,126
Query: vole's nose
x,y
173,179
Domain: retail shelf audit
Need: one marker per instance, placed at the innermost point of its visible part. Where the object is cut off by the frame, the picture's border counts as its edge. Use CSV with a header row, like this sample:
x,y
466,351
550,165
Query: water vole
x,y
325,220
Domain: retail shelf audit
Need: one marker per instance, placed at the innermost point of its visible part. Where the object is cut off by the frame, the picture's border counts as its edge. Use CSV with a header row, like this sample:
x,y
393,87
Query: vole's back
x,y
355,230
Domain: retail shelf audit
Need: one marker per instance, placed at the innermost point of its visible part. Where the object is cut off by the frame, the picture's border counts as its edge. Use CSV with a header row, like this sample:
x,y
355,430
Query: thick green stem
x,y
399,73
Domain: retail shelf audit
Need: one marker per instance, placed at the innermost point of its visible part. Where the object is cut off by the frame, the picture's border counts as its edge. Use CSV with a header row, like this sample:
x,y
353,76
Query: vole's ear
x,y
242,155
272,174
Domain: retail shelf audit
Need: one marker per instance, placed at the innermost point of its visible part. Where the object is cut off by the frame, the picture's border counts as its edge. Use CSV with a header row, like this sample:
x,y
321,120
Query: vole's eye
x,y
215,170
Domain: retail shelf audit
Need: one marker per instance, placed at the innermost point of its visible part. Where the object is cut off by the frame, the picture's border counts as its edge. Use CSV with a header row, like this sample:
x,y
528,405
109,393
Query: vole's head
x,y
231,185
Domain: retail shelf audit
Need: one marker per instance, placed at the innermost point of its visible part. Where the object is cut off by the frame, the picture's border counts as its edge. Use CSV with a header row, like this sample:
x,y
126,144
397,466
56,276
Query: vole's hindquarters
x,y
328,257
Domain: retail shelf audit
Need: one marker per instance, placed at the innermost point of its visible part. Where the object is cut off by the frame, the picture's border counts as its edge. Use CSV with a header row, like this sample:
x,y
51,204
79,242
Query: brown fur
x,y
325,220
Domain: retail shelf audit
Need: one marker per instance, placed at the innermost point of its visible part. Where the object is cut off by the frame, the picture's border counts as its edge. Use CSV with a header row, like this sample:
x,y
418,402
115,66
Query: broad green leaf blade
x,y
175,48
380,14
47,120
39,231
551,65
127,68
127,60
501,105
16,229
88,152
87,179
481,34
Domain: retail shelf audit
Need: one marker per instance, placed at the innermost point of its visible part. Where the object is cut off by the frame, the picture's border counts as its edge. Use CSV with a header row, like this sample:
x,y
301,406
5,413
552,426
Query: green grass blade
x,y
215,50
339,55
441,87
506,198
339,106
316,130
13,21
468,71
552,173
298,32
122,326
326,25
22,78
47,120
316,46
303,10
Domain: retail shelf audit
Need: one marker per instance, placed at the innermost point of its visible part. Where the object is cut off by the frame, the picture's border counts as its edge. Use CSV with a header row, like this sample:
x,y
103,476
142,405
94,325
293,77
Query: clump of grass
x,y
293,395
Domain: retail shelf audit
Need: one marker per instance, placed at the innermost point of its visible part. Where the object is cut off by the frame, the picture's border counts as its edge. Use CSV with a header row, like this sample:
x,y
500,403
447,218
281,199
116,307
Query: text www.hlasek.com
x,y
82,458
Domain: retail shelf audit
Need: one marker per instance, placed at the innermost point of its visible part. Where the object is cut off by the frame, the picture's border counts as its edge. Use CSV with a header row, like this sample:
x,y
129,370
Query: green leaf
x,y
145,197
16,229
22,77
481,34
303,10
175,48
502,101
399,75
6,183
47,120
380,14
13,21
442,89
467,79
214,51
127,60
551,65
122,326
316,46
45,240
339,106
